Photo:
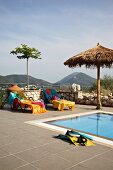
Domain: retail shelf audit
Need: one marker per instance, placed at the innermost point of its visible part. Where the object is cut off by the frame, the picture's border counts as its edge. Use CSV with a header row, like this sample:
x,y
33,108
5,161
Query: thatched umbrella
x,y
98,56
14,88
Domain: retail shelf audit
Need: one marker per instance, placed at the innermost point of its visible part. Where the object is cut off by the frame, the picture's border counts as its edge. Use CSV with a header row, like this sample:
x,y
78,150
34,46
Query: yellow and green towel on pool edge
x,y
77,138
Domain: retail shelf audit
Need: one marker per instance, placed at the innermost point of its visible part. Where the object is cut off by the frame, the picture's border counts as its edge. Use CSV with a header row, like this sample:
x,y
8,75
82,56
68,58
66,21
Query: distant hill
x,y
78,78
22,79
3,79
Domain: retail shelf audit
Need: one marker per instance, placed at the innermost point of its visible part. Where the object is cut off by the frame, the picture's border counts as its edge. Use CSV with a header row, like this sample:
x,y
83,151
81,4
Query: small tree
x,y
107,82
25,52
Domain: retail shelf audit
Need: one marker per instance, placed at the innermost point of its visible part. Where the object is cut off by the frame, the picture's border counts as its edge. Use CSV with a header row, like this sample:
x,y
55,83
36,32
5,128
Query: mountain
x,y
78,78
3,79
14,78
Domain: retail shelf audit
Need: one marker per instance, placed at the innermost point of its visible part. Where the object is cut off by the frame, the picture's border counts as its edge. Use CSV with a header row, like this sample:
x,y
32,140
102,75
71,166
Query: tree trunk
x,y
98,88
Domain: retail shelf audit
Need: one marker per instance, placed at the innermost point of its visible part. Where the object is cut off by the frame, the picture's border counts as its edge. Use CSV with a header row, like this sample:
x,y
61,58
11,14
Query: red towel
x,y
48,91
39,103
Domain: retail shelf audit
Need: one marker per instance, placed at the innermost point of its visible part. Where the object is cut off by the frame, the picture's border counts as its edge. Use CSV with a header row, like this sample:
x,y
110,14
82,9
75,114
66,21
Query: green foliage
x,y
25,52
106,84
93,87
2,98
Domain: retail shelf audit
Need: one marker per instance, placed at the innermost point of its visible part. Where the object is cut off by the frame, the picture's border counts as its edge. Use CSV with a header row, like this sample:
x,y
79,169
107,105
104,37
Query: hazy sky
x,y
58,28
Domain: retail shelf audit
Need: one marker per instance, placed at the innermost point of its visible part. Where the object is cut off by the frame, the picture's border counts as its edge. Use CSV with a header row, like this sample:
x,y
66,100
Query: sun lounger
x,y
62,104
35,107
23,104
49,95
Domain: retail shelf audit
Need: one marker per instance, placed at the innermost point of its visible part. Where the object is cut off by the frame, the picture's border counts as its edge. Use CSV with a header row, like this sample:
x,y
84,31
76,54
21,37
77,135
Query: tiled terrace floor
x,y
28,147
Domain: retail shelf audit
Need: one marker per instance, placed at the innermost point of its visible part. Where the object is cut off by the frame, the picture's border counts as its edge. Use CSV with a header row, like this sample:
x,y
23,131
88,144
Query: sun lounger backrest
x,y
12,96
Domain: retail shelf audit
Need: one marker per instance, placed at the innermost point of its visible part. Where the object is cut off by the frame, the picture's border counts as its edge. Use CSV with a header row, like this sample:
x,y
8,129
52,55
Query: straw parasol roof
x,y
98,56
14,87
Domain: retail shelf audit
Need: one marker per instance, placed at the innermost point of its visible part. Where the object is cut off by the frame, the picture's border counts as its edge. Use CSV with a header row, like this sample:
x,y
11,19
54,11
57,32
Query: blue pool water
x,y
99,124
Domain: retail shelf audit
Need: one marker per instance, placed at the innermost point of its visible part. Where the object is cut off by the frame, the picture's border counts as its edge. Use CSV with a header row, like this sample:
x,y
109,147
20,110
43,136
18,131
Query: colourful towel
x,y
39,103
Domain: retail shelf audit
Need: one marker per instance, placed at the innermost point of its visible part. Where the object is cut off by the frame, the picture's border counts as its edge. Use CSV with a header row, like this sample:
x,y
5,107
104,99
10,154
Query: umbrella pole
x,y
98,88
27,76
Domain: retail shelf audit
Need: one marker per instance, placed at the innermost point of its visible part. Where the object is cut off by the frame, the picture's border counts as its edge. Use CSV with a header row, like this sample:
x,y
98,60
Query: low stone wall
x,y
77,97
93,101
72,96
87,98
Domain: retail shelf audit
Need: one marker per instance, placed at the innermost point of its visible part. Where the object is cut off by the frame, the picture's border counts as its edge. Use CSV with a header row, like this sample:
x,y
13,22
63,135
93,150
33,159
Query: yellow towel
x,y
86,142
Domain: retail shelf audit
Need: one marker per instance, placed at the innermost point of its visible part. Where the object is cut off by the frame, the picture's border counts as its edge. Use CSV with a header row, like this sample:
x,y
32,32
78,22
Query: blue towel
x,y
12,96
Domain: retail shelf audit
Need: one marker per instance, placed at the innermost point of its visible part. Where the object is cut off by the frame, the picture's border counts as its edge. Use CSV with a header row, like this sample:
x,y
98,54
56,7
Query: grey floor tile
x,y
52,162
27,167
3,153
98,163
40,132
17,147
32,154
57,147
78,167
10,162
12,131
42,140
108,155
94,150
7,140
36,140
74,156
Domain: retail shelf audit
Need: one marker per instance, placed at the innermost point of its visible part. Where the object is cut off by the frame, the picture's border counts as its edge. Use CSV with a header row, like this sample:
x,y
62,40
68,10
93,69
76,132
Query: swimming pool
x,y
85,121
99,124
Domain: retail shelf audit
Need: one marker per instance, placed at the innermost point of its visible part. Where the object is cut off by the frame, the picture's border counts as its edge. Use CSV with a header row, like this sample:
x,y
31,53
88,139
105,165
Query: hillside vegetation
x,y
78,78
